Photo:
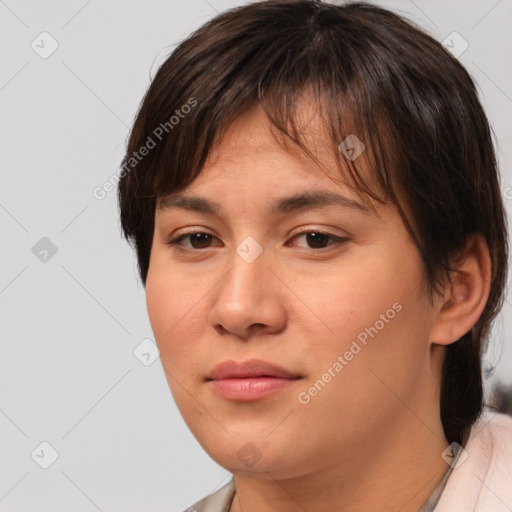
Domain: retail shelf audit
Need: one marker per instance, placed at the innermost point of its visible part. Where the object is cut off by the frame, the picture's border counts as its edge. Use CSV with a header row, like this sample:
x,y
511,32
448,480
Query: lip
x,y
250,368
249,380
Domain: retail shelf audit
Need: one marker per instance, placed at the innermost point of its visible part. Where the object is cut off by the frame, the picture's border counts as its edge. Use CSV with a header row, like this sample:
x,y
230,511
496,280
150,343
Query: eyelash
x,y
337,240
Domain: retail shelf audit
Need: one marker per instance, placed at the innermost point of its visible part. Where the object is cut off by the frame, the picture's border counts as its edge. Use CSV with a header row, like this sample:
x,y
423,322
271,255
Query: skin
x,y
372,438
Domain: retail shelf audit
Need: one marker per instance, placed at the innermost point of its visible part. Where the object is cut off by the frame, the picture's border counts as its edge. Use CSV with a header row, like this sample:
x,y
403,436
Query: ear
x,y
464,298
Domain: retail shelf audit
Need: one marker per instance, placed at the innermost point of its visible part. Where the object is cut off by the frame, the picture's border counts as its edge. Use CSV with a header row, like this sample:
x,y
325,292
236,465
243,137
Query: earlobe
x,y
465,295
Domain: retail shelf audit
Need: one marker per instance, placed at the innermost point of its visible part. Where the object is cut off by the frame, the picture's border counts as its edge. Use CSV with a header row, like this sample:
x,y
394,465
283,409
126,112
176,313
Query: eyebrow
x,y
279,206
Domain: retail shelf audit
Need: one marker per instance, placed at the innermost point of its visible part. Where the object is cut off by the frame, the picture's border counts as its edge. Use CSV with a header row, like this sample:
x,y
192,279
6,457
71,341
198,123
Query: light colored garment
x,y
219,501
483,482
479,479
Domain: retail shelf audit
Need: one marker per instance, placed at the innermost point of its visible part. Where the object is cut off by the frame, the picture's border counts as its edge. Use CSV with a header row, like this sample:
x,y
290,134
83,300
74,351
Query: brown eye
x,y
318,239
198,240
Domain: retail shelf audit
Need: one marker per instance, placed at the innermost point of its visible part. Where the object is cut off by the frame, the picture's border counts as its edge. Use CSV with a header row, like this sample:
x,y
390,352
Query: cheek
x,y
389,331
174,309
173,306
374,310
160,303
350,297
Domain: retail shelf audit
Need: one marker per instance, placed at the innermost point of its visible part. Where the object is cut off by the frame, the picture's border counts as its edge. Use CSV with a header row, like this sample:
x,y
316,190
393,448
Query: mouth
x,y
250,368
249,380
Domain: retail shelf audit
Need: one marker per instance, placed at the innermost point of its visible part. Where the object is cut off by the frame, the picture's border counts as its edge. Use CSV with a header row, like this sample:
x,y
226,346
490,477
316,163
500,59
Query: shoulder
x,y
482,480
499,425
491,440
218,501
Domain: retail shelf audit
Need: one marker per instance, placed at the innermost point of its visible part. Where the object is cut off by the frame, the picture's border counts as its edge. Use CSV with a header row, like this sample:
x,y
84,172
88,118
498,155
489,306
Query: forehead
x,y
254,162
253,141
253,133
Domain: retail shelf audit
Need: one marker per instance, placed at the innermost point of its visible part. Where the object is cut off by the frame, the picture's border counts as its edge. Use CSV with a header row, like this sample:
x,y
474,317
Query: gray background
x,y
71,320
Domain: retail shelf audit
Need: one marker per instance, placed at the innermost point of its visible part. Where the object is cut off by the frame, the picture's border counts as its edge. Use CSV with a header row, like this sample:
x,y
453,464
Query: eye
x,y
318,239
198,239
201,240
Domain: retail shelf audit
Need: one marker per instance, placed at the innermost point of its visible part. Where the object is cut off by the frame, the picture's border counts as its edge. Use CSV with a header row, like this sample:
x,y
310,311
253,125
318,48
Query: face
x,y
326,289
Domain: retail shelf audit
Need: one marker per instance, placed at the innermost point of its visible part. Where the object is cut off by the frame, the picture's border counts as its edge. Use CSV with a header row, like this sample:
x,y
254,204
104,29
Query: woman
x,y
312,193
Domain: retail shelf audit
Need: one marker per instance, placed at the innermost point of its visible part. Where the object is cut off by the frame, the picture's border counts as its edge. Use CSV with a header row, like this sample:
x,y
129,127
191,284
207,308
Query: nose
x,y
249,299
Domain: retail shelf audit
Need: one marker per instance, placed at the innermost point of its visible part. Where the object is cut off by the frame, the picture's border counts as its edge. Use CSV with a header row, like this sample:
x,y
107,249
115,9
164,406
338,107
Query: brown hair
x,y
412,104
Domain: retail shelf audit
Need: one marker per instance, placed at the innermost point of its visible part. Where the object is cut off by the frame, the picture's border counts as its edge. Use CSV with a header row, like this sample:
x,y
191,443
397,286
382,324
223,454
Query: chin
x,y
250,455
